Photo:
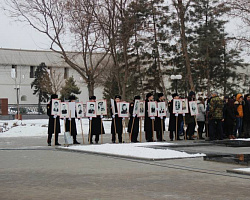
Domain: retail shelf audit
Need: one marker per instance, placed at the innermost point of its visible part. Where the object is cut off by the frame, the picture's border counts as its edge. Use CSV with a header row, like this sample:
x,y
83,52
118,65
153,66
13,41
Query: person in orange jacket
x,y
239,103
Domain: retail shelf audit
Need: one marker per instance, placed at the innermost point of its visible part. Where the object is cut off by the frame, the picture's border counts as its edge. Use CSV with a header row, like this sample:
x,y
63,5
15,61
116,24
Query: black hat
x,y
118,97
191,93
92,98
160,94
72,97
54,96
137,97
175,95
149,95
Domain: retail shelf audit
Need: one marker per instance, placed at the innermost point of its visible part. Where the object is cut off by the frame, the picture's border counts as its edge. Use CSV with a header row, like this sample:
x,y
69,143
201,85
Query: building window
x,y
13,71
24,98
32,72
66,73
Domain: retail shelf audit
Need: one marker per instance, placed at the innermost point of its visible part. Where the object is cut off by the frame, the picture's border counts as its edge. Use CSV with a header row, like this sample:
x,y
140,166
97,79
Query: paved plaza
x,y
30,169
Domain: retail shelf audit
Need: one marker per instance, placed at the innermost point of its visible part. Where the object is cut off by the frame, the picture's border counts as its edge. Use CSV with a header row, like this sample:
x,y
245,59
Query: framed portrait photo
x,y
141,110
64,110
55,107
184,105
101,107
136,107
152,109
79,110
162,112
193,108
91,109
177,106
123,109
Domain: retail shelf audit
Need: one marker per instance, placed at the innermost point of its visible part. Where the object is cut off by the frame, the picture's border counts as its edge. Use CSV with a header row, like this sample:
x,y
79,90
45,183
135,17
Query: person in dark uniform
x,y
134,118
73,129
52,120
95,125
160,122
148,120
173,118
117,126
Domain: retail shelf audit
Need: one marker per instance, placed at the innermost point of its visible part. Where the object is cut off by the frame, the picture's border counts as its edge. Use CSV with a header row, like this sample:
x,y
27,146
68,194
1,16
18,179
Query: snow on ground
x,y
135,150
243,169
39,127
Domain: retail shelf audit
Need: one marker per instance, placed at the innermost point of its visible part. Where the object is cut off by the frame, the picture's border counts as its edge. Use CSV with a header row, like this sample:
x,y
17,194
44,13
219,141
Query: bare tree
x,y
181,9
70,25
57,81
241,9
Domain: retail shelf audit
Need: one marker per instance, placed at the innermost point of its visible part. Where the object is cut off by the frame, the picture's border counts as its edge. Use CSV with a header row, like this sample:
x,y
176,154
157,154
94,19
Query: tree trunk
x,y
91,87
181,14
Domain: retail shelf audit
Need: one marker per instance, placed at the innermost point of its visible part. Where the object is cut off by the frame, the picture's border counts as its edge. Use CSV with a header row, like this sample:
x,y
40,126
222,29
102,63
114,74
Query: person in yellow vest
x,y
239,103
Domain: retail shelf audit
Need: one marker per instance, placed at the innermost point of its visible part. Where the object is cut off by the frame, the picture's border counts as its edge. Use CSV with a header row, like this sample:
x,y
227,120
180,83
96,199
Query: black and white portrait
x,y
161,109
177,106
152,106
101,107
136,107
123,109
55,107
91,109
193,108
79,110
184,105
141,112
64,110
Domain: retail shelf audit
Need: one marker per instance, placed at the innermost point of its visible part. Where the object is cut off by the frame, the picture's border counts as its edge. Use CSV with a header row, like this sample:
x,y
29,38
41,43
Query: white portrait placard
x,y
136,107
141,112
91,109
72,109
161,109
101,107
177,106
64,110
152,109
79,110
55,107
193,108
184,106
123,109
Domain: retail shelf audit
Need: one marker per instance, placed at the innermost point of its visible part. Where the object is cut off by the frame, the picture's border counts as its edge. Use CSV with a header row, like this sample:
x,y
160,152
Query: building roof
x,y
30,58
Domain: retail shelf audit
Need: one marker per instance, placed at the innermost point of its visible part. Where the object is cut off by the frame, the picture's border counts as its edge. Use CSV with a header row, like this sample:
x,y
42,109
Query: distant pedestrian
x,y
229,119
239,103
201,116
52,127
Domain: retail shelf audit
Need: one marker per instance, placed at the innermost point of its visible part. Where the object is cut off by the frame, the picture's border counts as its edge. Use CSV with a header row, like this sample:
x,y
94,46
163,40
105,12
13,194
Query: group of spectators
x,y
219,118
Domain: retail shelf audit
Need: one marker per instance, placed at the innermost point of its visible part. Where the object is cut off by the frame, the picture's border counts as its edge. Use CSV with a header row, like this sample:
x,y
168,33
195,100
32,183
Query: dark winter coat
x,y
52,121
148,126
71,123
229,115
159,123
118,122
131,119
172,119
96,126
246,111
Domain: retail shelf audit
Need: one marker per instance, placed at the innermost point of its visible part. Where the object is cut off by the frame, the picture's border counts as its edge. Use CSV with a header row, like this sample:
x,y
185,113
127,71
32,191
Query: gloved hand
x,y
113,116
69,119
134,115
152,117
101,116
55,116
90,118
161,117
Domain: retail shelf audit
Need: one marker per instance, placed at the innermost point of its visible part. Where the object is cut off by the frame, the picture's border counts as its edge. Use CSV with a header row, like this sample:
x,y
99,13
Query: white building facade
x,y
17,71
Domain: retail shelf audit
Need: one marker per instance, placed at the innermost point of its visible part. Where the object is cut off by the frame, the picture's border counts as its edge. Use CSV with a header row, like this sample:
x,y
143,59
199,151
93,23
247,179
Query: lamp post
x,y
176,78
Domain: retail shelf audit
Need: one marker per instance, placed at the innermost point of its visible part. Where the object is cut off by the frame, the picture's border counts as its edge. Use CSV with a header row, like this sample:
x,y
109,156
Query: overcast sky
x,y
19,35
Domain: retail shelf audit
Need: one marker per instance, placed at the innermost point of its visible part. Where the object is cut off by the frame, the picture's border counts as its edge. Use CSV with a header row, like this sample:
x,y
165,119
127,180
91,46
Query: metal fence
x,y
28,109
